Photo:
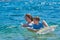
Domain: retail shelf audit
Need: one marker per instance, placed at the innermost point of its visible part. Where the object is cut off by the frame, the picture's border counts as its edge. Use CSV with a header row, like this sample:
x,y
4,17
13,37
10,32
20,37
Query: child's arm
x,y
45,23
24,25
32,30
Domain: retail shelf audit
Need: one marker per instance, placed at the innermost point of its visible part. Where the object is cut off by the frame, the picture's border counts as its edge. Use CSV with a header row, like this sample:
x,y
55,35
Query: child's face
x,y
27,19
36,21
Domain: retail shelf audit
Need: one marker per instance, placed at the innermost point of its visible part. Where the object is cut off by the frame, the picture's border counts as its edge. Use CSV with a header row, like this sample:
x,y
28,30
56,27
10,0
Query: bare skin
x,y
45,23
32,30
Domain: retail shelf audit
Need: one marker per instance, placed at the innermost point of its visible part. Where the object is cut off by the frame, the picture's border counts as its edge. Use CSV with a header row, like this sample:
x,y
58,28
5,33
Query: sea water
x,y
12,15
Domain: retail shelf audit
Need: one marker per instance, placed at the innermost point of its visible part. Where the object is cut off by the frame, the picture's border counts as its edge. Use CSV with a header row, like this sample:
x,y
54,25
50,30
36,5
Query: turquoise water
x,y
12,14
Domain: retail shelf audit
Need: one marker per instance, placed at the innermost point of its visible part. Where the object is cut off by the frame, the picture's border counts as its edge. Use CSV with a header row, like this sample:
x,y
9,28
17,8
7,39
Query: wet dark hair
x,y
37,18
29,16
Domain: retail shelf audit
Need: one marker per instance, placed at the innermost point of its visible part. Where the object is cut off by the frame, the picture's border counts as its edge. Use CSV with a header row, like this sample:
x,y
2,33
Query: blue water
x,y
12,14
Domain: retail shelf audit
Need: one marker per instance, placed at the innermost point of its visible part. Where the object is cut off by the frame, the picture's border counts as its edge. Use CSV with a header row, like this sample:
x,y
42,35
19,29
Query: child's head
x,y
28,18
36,20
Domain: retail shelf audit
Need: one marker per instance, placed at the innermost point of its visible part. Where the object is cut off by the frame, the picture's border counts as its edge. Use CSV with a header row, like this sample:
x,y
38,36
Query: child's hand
x,y
25,25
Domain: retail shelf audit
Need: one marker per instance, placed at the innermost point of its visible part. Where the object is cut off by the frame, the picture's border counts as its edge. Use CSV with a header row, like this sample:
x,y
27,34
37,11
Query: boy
x,y
36,24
